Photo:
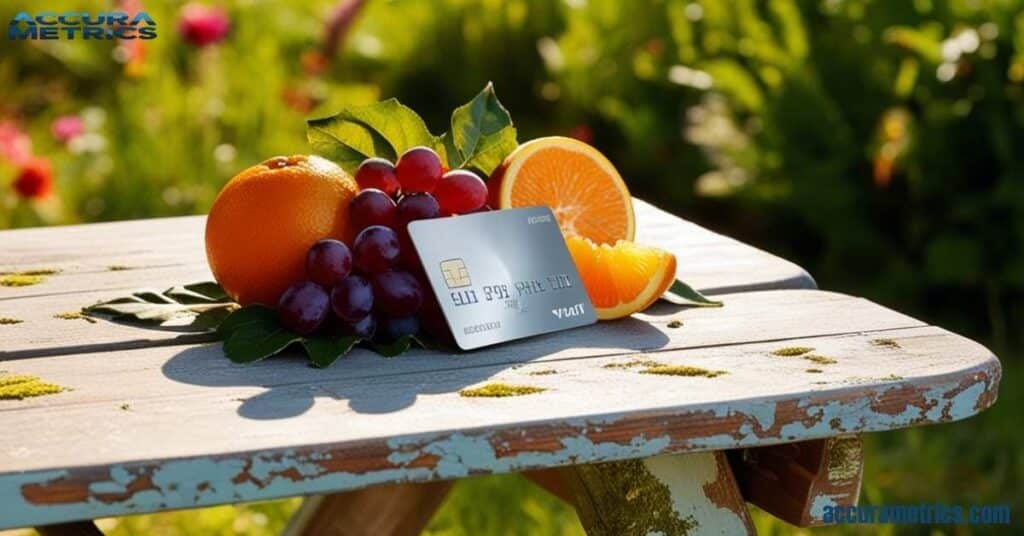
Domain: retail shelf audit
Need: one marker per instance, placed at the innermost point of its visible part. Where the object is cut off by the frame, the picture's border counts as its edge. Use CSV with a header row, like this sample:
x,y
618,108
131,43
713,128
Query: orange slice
x,y
580,185
622,279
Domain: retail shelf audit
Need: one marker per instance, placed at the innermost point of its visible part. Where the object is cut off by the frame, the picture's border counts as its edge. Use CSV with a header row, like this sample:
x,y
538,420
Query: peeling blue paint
x,y
195,482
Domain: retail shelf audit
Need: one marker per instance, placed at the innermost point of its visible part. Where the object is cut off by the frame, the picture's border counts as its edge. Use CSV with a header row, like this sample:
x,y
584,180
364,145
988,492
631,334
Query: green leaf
x,y
385,129
252,333
253,342
397,347
482,134
324,350
154,309
248,315
682,294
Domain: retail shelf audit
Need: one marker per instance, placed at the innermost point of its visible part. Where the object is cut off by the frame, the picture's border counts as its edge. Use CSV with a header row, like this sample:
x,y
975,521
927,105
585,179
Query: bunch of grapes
x,y
377,288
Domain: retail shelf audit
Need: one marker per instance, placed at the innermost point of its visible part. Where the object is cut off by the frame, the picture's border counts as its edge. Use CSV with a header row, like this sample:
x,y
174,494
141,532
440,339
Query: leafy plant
x,y
481,134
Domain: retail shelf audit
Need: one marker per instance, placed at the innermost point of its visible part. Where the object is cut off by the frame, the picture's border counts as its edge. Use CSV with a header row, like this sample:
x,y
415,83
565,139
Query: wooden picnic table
x,y
156,420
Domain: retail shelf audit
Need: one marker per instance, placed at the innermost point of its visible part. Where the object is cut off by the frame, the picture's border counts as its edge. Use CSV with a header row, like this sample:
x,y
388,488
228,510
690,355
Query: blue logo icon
x,y
82,25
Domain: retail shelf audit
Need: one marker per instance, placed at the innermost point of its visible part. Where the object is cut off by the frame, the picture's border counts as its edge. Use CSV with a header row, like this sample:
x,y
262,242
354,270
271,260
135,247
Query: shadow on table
x,y
377,385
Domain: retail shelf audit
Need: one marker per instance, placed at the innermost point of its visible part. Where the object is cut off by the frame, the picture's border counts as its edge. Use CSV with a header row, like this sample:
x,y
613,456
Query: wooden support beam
x,y
77,528
553,481
390,510
672,495
795,481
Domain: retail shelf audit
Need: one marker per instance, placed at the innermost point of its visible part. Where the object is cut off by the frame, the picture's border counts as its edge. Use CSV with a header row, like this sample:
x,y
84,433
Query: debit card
x,y
502,275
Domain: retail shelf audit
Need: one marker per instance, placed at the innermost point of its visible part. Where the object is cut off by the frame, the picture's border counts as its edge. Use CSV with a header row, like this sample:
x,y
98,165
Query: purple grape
x,y
378,173
372,207
398,327
420,206
364,329
328,262
396,293
303,307
376,249
352,298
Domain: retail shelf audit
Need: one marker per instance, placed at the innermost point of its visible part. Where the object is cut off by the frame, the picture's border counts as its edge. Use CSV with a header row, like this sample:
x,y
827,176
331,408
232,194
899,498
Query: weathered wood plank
x,y
685,495
170,251
99,245
747,318
204,438
389,510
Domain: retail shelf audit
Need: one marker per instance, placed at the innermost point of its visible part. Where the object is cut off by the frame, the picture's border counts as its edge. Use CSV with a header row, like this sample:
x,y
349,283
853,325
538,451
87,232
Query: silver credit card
x,y
502,275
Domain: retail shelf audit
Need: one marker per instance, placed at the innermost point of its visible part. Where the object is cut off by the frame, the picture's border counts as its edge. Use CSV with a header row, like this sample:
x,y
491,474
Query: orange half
x,y
622,279
583,189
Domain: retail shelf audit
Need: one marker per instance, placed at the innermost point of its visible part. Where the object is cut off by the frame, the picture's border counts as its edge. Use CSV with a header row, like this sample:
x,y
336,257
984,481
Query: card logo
x,y
81,25
568,312
455,273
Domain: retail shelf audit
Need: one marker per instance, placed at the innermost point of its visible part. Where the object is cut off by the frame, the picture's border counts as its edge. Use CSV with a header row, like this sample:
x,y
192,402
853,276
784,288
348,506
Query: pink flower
x,y
35,179
67,127
15,145
203,25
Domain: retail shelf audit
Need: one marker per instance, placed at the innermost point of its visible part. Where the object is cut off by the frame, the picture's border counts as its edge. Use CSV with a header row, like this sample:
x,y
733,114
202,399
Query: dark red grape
x,y
410,258
375,249
378,173
418,170
371,207
460,192
396,293
416,207
352,298
328,262
432,318
397,327
303,307
364,329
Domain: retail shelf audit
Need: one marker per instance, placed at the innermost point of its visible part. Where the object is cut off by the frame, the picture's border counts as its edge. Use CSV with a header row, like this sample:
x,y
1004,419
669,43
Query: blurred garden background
x,y
879,144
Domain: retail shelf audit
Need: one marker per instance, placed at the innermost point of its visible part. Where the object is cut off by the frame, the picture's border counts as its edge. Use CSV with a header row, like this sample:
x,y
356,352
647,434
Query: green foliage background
x,y
877,143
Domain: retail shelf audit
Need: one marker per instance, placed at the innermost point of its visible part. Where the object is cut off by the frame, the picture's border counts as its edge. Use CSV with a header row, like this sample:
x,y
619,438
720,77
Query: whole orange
x,y
265,219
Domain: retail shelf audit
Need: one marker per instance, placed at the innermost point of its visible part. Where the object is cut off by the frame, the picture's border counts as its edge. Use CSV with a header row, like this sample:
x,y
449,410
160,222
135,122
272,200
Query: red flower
x,y
203,25
35,179
67,128
583,133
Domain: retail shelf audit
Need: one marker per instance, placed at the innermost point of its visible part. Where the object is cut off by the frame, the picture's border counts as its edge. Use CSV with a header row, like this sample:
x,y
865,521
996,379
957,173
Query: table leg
x,y
553,481
389,510
77,528
795,481
673,495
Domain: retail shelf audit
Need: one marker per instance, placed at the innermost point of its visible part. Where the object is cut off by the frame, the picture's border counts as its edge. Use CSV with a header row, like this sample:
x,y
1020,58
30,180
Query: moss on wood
x,y
682,370
20,386
675,324
791,351
631,499
543,372
634,363
500,390
26,278
814,370
9,321
819,359
74,315
888,343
